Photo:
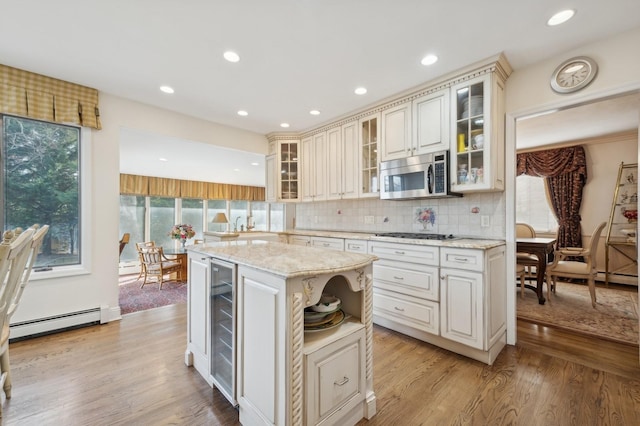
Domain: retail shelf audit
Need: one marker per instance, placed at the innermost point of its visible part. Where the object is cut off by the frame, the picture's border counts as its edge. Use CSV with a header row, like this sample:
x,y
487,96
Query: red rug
x,y
134,299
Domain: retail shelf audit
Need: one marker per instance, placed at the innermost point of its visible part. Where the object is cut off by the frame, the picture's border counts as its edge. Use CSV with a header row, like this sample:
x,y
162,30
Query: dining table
x,y
541,248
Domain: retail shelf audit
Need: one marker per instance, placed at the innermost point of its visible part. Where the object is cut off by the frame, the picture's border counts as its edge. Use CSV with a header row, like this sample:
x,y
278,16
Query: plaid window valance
x,y
44,98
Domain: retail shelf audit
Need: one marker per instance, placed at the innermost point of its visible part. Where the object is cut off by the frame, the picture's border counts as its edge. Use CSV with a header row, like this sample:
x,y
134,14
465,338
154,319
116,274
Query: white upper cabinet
x,y
431,122
477,151
369,137
313,167
396,132
271,171
342,161
282,178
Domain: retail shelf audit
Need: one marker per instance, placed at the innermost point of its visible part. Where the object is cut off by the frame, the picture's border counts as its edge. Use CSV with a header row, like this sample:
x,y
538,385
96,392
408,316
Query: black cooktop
x,y
416,235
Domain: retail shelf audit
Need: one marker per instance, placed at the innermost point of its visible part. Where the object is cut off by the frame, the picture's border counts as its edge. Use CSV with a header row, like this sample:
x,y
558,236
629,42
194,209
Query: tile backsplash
x,y
457,216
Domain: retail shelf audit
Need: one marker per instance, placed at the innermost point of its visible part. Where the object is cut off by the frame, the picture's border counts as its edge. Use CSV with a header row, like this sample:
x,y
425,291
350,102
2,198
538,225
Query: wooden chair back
x,y
124,241
524,230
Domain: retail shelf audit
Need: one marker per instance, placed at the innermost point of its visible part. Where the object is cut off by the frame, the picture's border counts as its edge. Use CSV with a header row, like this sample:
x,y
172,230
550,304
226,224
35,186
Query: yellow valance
x,y
177,188
44,98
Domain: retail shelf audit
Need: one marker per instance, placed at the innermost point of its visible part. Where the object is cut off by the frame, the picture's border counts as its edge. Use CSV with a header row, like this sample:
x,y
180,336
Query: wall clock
x,y
574,74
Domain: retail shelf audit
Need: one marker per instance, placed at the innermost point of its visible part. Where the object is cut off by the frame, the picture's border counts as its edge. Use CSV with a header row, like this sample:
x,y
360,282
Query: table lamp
x,y
220,218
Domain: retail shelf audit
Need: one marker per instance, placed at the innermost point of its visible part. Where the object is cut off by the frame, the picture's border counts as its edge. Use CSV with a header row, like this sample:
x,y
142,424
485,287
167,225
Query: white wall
x,y
99,288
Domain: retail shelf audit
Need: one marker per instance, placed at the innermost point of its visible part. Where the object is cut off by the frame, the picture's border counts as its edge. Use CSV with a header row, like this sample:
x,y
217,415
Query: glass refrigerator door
x,y
223,328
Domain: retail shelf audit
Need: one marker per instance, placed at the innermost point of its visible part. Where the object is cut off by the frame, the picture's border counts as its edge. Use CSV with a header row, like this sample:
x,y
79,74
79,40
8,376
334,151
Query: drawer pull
x,y
344,381
398,278
399,252
398,309
325,244
461,259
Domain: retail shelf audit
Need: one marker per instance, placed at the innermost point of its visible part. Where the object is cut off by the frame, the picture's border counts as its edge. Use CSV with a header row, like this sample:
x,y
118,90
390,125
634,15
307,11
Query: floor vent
x,y
54,324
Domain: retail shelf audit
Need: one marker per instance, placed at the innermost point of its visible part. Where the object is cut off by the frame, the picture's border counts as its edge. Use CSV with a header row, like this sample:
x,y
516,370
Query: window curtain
x,y
565,173
37,96
178,188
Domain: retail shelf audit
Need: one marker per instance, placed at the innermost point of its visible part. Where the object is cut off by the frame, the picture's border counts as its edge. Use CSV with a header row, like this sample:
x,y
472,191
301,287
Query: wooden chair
x,y
124,241
157,265
575,269
527,260
520,272
139,248
14,258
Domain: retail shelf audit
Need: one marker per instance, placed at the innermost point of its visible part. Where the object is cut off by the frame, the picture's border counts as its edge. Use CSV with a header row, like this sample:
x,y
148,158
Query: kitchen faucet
x,y
235,225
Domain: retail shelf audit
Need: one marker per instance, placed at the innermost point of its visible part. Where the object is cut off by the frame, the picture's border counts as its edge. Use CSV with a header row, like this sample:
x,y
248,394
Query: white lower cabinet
x,y
287,376
451,297
299,240
355,246
198,316
473,298
406,287
328,243
335,377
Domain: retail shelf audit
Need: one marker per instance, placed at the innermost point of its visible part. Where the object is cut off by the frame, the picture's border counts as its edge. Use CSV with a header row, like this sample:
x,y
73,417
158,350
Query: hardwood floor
x,y
132,372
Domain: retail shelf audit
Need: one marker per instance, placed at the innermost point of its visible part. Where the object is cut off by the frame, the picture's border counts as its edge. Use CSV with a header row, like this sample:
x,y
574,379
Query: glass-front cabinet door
x,y
478,131
369,137
289,170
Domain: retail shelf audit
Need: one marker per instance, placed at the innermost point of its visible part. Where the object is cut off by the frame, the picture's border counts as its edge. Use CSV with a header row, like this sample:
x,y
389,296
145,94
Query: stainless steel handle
x,y
398,309
398,278
461,259
344,381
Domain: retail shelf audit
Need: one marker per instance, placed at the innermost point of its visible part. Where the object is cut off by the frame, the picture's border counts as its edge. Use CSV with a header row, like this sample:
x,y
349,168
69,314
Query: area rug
x,y
134,299
614,318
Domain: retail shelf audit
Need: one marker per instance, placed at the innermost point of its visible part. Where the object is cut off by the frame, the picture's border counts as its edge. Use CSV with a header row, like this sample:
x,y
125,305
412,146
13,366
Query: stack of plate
x,y
472,106
324,315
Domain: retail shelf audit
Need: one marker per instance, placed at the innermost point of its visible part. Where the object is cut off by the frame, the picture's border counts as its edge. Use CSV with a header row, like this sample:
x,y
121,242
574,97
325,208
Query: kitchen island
x,y
286,373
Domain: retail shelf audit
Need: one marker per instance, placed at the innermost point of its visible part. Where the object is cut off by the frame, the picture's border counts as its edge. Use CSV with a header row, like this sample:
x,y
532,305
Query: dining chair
x,y
527,260
520,272
139,247
14,257
561,267
124,241
157,265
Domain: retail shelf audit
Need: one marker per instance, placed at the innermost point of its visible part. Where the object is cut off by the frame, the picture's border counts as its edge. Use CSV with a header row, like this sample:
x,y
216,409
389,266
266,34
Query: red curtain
x,y
565,173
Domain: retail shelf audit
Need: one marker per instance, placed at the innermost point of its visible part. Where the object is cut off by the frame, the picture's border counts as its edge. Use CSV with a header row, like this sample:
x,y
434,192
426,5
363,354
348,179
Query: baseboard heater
x,y
56,323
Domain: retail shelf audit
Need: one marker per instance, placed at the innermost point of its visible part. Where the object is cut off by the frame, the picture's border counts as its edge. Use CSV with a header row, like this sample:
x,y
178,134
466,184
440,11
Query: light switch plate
x,y
369,220
484,221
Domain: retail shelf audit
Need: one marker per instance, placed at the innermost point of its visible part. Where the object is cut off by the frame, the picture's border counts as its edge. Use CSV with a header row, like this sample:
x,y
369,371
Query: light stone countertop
x,y
469,243
284,260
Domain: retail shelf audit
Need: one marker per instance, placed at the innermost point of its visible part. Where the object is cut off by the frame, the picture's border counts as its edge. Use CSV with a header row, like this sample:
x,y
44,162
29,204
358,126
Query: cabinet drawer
x,y
355,246
300,240
424,283
335,378
469,259
424,255
328,243
423,315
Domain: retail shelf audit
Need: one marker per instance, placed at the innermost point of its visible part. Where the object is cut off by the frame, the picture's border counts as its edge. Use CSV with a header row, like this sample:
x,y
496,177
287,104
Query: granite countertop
x,y
284,260
468,243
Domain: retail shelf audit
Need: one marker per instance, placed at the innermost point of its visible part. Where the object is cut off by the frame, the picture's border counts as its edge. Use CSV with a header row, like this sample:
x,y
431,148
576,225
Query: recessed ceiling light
x,y
255,164
561,17
360,91
314,112
285,125
429,60
162,159
236,170
231,56
166,89
243,113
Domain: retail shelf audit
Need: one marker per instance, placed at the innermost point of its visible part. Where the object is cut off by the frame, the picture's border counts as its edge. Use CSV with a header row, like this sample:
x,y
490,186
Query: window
x,y
214,207
532,206
192,214
41,183
132,220
162,219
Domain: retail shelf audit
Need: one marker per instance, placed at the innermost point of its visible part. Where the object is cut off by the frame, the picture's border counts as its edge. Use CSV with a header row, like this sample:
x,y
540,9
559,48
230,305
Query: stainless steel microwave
x,y
419,176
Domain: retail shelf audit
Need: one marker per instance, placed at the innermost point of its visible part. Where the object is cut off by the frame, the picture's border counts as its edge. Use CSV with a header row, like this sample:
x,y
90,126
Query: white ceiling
x,y
296,55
